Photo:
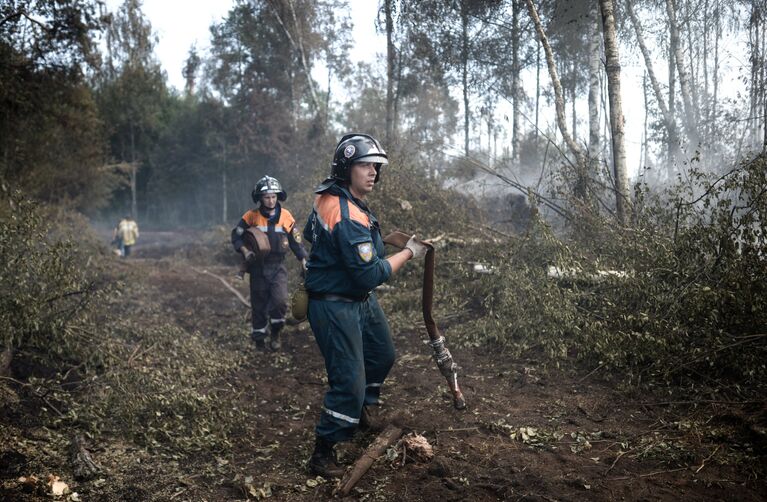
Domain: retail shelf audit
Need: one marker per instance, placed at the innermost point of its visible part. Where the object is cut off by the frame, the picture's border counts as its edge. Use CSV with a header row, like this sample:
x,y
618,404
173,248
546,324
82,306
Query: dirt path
x,y
527,434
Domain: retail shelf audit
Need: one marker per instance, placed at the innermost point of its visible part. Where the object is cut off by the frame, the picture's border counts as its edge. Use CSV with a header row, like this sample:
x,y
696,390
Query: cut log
x,y
388,437
5,362
83,465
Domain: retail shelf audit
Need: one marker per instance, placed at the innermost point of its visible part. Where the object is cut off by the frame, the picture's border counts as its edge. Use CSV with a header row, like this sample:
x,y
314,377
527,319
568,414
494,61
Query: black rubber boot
x,y
259,339
323,461
369,422
274,338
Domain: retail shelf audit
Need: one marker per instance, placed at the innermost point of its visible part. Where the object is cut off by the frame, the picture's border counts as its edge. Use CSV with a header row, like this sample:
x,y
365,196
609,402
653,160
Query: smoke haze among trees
x,y
464,91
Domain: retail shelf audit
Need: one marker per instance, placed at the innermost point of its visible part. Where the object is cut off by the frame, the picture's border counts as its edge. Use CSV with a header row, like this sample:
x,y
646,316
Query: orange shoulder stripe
x,y
358,215
286,220
328,209
254,219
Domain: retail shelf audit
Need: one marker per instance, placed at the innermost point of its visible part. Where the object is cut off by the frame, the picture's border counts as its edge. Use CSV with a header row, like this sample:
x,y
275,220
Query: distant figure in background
x,y
125,235
268,275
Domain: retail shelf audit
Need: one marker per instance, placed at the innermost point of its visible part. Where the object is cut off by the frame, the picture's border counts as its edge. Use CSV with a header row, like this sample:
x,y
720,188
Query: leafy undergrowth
x,y
183,407
151,363
675,301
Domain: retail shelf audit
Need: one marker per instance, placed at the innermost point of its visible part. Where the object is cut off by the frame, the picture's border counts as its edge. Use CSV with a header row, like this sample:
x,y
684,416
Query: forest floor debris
x,y
556,436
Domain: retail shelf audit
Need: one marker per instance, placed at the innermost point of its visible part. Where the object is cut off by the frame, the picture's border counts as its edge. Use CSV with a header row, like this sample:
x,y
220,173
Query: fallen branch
x,y
648,474
618,457
703,464
377,448
700,401
592,372
225,283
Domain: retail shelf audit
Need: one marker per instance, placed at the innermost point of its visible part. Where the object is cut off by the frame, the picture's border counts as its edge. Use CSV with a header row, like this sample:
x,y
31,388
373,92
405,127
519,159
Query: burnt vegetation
x,y
611,335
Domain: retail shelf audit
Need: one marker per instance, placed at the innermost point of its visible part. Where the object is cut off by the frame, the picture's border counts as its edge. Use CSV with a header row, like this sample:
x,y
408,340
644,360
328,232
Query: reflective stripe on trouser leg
x,y
377,347
258,333
336,327
268,293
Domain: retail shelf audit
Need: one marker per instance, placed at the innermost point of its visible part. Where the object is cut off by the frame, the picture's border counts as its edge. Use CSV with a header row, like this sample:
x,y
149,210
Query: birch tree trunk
x,y
573,112
225,200
537,85
706,103
133,175
620,170
761,87
389,73
673,140
515,88
594,88
715,97
465,73
297,44
753,39
684,80
694,66
559,100
668,119
645,140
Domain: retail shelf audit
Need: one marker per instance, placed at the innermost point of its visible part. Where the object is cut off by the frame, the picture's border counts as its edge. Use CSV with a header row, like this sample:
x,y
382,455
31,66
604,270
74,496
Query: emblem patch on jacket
x,y
365,250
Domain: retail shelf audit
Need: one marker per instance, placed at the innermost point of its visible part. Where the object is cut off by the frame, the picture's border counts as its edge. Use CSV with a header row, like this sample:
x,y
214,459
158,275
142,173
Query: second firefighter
x,y
268,275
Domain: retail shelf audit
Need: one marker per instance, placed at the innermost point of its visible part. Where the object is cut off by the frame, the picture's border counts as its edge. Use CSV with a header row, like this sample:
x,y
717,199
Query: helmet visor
x,y
374,158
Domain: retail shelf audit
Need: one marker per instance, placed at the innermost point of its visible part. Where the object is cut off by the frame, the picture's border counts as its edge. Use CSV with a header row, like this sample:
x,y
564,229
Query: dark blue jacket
x,y
347,256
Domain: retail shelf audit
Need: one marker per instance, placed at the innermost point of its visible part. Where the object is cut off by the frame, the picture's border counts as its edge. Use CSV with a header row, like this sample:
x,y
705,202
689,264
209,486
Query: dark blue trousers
x,y
355,341
268,297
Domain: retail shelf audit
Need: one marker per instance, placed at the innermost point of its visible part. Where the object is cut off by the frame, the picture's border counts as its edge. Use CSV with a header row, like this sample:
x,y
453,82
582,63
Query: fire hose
x,y
441,355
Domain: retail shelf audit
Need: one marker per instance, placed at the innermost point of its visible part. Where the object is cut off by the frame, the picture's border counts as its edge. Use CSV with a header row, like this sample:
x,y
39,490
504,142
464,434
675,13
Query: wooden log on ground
x,y
5,362
83,465
377,448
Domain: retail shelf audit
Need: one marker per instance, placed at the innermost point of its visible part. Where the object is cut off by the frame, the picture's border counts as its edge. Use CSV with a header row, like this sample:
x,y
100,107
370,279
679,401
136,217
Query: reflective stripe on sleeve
x,y
319,218
373,385
341,416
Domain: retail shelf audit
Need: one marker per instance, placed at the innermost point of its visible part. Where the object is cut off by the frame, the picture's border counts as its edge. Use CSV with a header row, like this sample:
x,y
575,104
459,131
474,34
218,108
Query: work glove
x,y
303,268
250,256
416,247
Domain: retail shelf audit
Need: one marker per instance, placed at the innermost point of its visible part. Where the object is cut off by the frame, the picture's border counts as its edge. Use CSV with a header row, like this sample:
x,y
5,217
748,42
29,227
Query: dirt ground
x,y
528,433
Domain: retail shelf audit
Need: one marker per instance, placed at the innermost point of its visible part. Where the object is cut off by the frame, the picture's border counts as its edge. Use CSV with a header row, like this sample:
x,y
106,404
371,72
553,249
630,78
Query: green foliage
x,y
51,144
522,308
162,387
679,297
48,283
66,318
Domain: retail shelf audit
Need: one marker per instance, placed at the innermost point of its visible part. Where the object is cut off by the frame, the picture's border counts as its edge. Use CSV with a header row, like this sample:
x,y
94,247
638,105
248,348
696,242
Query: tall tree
x,y
516,89
691,126
391,57
559,104
667,116
131,102
191,68
612,64
50,134
594,88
